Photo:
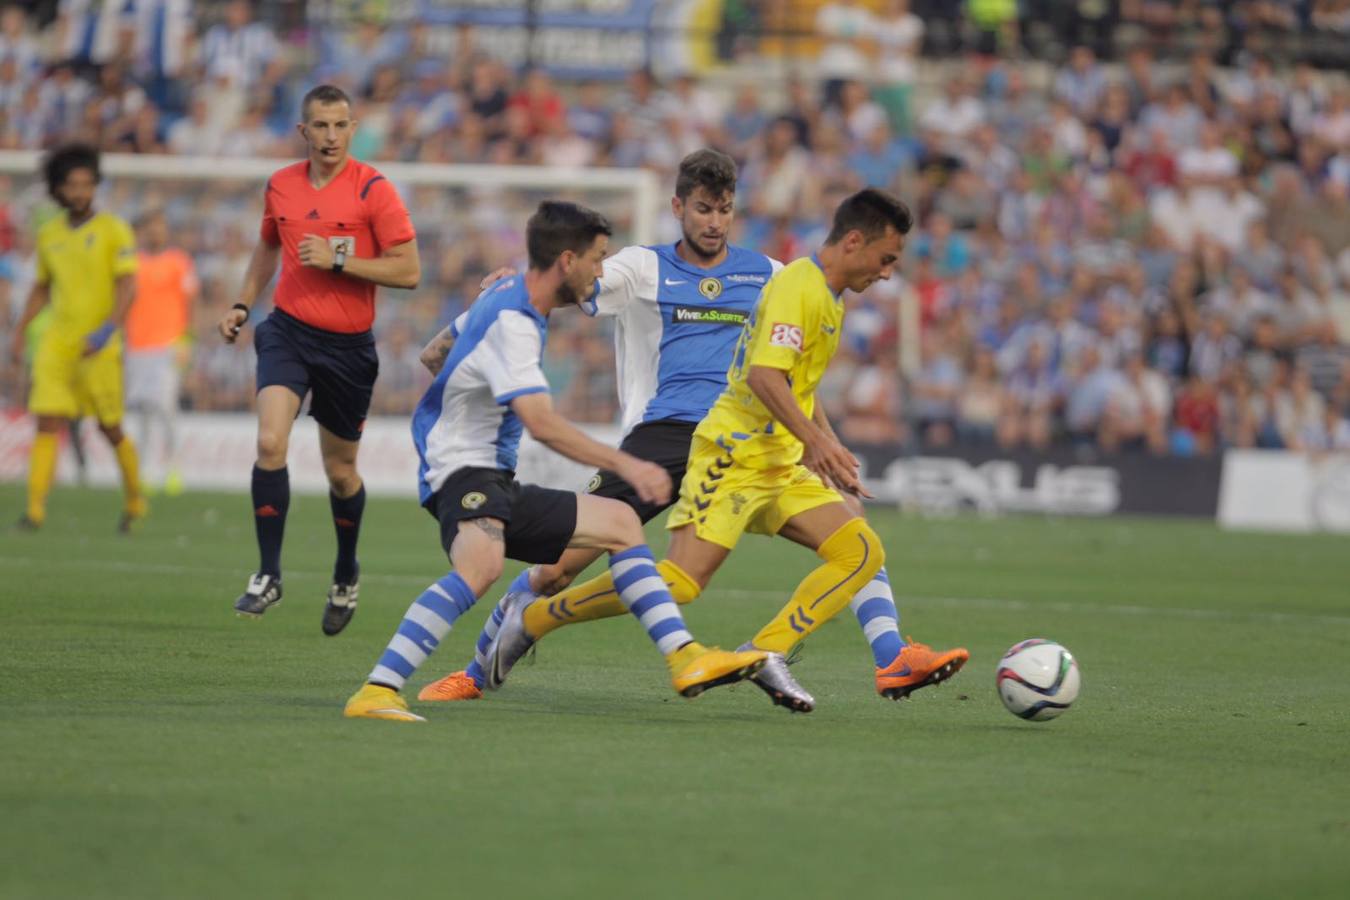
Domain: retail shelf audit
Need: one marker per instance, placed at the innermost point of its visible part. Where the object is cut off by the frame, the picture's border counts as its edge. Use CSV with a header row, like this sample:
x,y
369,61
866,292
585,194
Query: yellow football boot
x,y
375,701
695,668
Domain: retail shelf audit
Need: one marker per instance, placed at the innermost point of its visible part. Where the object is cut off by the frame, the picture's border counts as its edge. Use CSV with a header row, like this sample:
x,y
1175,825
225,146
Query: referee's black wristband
x,y
243,307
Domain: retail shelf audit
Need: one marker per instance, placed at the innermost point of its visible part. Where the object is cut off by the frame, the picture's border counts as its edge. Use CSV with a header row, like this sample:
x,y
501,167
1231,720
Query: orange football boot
x,y
916,666
455,686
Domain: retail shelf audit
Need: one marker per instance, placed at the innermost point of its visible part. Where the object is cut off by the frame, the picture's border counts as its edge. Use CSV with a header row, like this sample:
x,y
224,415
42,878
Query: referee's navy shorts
x,y
339,369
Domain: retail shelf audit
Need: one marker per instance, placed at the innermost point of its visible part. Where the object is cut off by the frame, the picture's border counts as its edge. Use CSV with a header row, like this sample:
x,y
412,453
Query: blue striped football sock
x,y
875,608
424,626
643,592
475,669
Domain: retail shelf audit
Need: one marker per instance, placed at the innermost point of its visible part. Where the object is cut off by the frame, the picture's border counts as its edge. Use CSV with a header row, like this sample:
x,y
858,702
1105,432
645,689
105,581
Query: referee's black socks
x,y
347,522
271,500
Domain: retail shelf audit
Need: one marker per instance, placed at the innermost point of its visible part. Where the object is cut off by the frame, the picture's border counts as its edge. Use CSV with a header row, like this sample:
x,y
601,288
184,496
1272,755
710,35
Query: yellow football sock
x,y
41,471
597,599
853,555
130,465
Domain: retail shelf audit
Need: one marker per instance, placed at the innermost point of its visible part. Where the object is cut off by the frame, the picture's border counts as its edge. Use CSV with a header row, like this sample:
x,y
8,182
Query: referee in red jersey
x,y
339,229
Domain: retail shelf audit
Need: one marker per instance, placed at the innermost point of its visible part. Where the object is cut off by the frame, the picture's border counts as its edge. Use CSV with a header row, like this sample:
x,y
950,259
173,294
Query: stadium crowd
x,y
1145,254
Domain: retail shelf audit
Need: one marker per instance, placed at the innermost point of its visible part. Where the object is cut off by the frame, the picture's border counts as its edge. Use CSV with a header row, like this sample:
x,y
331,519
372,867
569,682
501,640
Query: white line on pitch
x,y
1000,604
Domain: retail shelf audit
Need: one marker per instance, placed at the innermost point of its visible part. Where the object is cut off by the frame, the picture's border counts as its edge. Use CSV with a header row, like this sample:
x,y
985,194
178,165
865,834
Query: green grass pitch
x,y
154,745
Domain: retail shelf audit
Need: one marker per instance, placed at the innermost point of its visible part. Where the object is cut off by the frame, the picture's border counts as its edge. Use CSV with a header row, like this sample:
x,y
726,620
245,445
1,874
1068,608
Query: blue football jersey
x,y
676,327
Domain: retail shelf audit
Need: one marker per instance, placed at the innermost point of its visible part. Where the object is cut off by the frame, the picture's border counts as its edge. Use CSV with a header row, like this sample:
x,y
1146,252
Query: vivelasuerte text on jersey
x,y
676,326
465,418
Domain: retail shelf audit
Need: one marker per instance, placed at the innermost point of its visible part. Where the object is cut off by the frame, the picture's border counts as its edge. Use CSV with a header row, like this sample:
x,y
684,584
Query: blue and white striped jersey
x,y
676,327
465,419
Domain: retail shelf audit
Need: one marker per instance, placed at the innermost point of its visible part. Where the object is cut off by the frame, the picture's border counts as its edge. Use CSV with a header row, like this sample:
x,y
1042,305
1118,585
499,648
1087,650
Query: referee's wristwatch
x,y
339,259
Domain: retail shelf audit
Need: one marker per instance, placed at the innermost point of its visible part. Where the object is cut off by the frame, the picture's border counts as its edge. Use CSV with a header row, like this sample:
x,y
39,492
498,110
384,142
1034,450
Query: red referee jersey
x,y
359,208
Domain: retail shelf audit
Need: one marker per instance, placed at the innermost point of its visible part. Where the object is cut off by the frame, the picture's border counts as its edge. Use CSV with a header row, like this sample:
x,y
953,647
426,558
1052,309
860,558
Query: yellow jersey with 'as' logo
x,y
795,328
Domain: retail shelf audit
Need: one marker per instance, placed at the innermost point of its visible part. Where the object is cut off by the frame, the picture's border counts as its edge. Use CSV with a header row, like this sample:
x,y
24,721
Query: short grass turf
x,y
154,745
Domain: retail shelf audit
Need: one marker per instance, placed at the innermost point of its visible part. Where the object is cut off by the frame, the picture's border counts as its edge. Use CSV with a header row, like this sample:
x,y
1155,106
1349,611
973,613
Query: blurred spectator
x,y
540,101
1033,394
1082,82
403,378
591,116
1167,350
1331,434
1138,409
1197,418
775,174
899,35
1175,117
1325,359
18,46
935,392
1263,361
1302,414
1090,391
239,49
980,407
871,402
194,134
954,115
850,32
1214,348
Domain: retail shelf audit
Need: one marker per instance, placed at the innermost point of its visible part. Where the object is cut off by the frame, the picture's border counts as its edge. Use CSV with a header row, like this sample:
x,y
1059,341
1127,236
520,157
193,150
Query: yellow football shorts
x,y
723,500
68,385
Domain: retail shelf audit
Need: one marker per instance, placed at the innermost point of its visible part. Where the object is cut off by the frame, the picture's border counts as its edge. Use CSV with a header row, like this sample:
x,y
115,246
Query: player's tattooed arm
x,y
492,528
434,354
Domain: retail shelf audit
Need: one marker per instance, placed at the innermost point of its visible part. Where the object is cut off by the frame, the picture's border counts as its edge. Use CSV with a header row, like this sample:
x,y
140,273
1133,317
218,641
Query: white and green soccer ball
x,y
1037,679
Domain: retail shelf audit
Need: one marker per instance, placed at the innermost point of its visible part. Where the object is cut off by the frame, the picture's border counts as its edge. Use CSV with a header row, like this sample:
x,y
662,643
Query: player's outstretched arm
x,y
436,351
824,455
537,414
398,266
39,296
261,267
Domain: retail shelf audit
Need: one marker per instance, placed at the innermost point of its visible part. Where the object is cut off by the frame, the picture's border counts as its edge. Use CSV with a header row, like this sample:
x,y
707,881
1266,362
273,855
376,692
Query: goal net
x,y
470,220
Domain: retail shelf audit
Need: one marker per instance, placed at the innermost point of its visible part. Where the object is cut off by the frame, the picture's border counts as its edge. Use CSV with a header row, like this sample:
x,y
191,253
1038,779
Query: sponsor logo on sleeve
x,y
785,334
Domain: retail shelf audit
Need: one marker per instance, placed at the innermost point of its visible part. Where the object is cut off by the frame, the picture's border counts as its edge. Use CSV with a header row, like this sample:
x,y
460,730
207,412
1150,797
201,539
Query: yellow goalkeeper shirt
x,y
81,266
795,327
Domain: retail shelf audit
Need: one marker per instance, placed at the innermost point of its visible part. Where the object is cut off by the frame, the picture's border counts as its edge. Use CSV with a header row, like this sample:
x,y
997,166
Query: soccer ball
x,y
1037,679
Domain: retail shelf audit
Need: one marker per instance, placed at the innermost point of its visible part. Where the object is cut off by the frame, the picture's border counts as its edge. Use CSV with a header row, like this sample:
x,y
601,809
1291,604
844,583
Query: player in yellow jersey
x,y
766,460
86,263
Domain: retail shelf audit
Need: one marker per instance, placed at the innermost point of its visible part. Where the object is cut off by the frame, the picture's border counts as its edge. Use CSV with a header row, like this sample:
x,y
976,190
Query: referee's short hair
x,y
709,169
870,211
324,93
557,226
66,159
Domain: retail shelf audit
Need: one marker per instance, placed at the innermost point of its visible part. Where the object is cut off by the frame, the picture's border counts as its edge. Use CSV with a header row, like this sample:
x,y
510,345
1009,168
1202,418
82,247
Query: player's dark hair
x,y
324,93
557,226
870,211
709,169
66,159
